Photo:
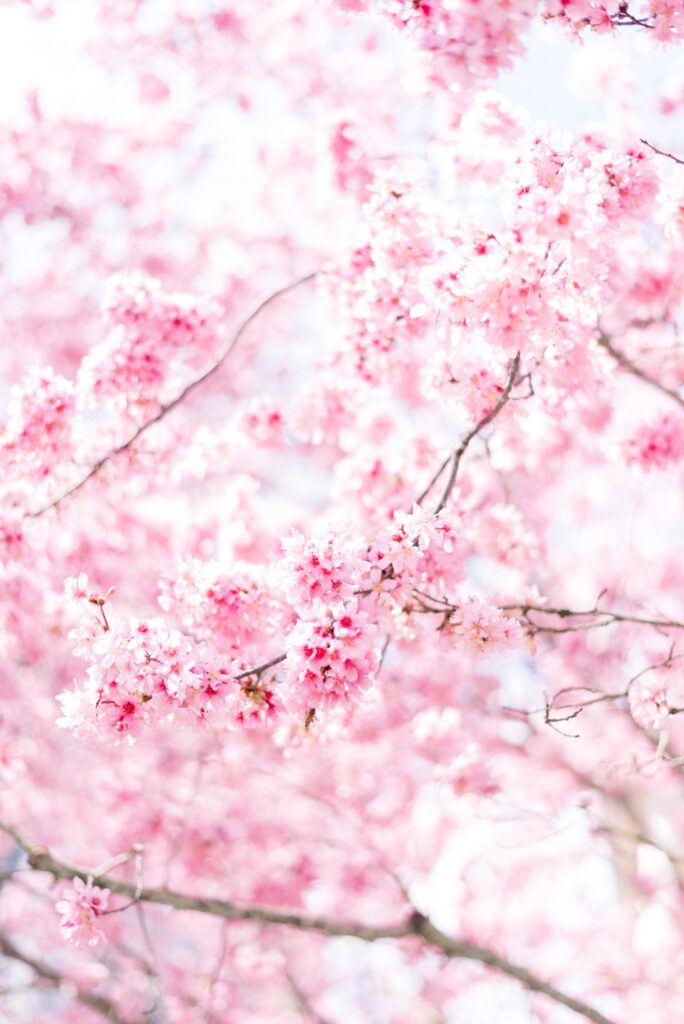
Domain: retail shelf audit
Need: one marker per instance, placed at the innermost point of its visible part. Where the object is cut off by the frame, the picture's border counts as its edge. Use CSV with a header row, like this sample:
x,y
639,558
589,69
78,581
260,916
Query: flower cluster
x,y
462,378
80,906
39,433
648,702
332,655
463,41
498,531
259,421
382,282
234,607
480,629
323,411
140,671
469,773
322,567
658,444
149,334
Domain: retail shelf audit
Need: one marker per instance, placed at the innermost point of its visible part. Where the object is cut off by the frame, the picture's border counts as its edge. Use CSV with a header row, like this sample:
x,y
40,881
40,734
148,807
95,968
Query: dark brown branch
x,y
260,669
628,19
460,451
188,389
457,454
421,497
661,152
93,1002
627,364
469,951
625,17
416,925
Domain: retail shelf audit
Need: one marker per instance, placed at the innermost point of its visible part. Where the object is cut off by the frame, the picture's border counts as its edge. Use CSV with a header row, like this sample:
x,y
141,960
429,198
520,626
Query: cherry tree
x,y
341,591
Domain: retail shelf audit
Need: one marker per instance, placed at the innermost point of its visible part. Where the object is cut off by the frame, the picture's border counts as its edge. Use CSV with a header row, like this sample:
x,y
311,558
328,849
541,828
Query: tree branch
x,y
469,951
460,451
627,364
416,925
260,669
302,1000
93,1002
607,618
165,409
661,152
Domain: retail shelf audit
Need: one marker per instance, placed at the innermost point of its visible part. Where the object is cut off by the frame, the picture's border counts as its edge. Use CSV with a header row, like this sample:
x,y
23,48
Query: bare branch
x,y
606,616
416,925
627,364
429,603
423,495
661,152
469,951
302,1000
624,17
260,669
188,389
216,973
93,1002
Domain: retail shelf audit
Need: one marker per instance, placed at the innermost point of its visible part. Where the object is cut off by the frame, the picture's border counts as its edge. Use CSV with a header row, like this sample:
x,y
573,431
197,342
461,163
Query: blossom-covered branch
x,y
415,925
180,397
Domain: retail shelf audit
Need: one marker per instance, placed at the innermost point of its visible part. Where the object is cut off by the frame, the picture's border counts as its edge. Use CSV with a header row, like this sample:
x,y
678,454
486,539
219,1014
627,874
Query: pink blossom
x,y
480,629
40,430
80,906
150,334
140,671
658,444
324,567
648,703
332,655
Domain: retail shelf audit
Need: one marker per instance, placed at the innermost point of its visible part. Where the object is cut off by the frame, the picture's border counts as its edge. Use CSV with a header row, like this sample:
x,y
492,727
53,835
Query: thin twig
x,y
626,20
303,1001
153,972
608,616
460,451
165,409
627,364
661,152
260,669
421,497
216,973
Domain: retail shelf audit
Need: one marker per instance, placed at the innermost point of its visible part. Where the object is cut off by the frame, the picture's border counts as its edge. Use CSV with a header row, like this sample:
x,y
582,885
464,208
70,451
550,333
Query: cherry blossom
x,y
341,587
658,444
80,906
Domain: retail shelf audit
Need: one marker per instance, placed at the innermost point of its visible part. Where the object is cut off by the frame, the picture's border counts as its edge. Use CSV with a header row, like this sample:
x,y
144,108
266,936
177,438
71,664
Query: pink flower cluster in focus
x,y
332,655
80,906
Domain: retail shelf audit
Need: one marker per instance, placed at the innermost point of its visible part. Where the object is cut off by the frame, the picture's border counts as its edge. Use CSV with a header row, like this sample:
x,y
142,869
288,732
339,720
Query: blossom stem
x,y
165,409
461,450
